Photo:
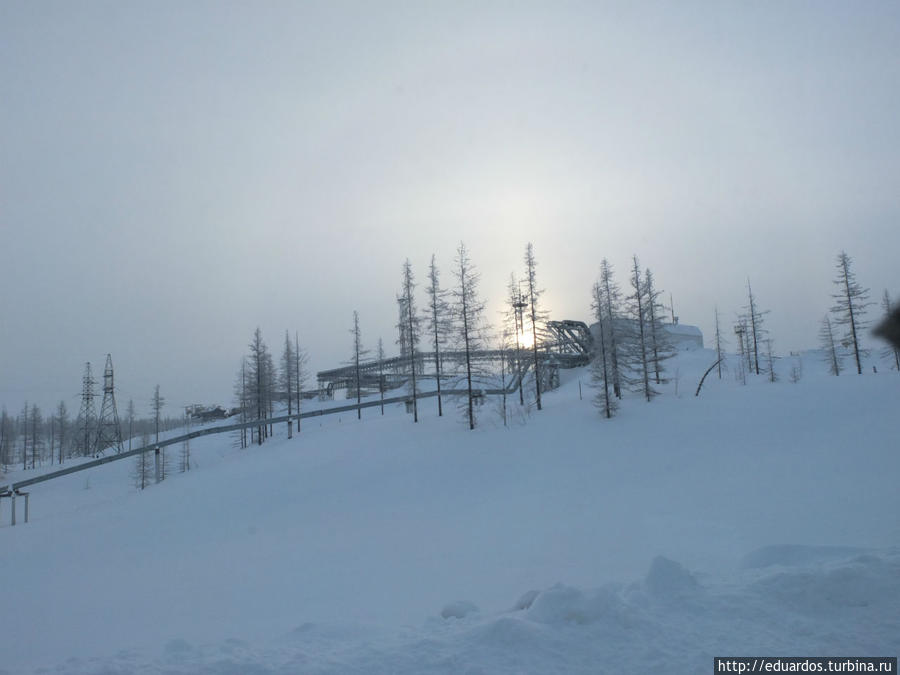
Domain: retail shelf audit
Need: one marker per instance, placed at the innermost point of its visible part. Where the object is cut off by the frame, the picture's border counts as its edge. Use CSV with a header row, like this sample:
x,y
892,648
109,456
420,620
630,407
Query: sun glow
x,y
526,340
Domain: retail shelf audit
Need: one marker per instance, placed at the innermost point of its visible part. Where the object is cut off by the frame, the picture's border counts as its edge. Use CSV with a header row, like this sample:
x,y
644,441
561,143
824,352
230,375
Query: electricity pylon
x,y
108,431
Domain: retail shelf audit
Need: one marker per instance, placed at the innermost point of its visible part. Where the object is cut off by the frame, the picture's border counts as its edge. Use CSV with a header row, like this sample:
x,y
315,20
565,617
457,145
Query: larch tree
x,y
62,418
755,324
6,438
23,425
156,406
301,358
851,301
829,346
532,298
638,307
601,368
37,425
287,379
770,361
513,320
720,345
410,318
891,352
259,380
438,323
468,311
380,356
611,298
660,346
130,414
356,360
241,397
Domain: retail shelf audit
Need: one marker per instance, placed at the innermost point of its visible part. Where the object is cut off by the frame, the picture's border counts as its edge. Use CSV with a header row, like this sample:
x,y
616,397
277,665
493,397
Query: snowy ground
x,y
757,520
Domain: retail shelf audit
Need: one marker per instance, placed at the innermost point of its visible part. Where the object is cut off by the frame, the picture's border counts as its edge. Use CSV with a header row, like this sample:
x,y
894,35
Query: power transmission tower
x,y
108,431
86,414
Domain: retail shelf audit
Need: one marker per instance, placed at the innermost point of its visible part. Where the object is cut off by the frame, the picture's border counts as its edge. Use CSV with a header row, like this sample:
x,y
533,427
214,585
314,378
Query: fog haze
x,y
173,175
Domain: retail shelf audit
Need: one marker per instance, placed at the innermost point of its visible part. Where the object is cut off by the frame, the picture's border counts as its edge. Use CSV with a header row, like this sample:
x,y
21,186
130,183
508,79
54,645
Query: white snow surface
x,y
752,520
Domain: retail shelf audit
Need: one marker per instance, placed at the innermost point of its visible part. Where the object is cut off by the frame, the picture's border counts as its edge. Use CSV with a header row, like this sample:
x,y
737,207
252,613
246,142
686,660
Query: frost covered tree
x,y
720,345
379,354
260,385
129,415
755,324
660,347
851,301
469,313
891,353
829,347
287,379
62,419
7,438
156,405
301,358
37,428
410,319
770,361
358,353
439,323
512,320
241,397
611,298
637,304
601,367
533,294
140,473
23,425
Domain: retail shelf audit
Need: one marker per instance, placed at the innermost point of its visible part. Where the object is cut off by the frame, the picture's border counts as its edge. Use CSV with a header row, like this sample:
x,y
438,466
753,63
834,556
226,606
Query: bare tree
x,y
660,347
533,297
601,367
411,320
513,322
358,353
851,301
720,345
891,352
770,361
469,311
638,306
287,379
37,423
62,418
301,358
23,424
259,380
156,405
380,356
612,303
129,412
829,347
438,323
755,323
7,437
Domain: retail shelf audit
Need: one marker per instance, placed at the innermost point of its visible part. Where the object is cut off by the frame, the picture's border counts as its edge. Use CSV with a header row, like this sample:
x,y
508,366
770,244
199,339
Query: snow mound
x,y
864,582
458,610
795,554
525,601
564,604
667,579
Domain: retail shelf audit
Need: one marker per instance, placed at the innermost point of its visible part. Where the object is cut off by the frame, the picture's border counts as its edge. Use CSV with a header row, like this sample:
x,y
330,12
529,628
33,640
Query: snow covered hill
x,y
756,520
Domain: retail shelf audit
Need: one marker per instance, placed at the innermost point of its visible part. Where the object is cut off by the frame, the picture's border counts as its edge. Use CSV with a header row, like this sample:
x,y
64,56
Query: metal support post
x,y
156,458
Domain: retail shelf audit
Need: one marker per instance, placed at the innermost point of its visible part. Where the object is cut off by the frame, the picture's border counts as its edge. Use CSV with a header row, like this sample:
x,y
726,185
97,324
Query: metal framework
x,y
570,345
109,433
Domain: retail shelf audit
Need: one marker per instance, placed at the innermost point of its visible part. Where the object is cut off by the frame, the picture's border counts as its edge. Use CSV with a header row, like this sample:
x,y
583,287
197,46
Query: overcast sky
x,y
175,174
